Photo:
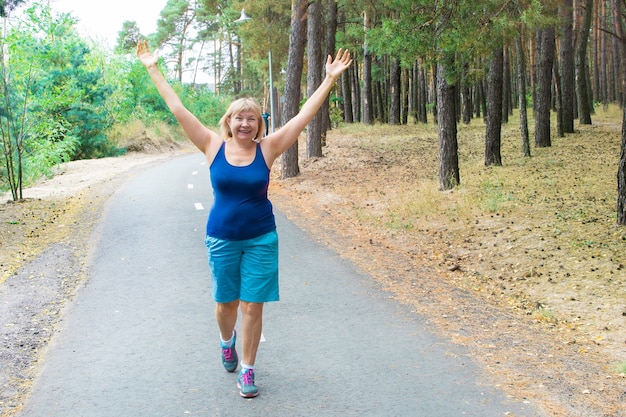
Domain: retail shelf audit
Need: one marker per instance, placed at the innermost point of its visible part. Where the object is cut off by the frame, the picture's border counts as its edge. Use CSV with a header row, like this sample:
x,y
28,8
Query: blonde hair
x,y
246,104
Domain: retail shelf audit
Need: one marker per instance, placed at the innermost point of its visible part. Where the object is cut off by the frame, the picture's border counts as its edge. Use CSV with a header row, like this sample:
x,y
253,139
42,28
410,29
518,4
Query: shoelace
x,y
248,377
228,354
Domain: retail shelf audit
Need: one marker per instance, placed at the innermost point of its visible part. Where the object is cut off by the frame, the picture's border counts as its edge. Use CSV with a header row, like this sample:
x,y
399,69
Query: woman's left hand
x,y
334,67
145,56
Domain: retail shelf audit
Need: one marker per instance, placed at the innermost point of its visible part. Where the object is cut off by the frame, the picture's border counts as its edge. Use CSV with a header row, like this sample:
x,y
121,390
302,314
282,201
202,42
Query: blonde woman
x,y
241,239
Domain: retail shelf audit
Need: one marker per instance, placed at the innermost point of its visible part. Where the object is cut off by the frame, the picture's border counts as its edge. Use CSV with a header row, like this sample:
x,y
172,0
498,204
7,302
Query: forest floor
x,y
523,264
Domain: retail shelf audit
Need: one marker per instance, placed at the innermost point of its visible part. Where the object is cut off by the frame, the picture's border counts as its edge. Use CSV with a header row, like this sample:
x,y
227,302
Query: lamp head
x,y
243,16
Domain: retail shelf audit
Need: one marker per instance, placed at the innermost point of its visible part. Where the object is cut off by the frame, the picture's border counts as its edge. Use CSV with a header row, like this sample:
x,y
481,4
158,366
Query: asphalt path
x,y
140,339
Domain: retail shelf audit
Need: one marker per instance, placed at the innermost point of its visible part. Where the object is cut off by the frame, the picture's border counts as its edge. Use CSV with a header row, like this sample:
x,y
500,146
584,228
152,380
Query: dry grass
x,y
533,245
135,136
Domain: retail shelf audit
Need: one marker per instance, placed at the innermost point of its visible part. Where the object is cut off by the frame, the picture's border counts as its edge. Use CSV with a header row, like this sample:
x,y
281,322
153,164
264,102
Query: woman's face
x,y
244,125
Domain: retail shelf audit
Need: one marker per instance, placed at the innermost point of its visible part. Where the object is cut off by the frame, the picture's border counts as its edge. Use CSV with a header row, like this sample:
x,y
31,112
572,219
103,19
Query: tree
x,y
621,169
314,75
582,79
567,66
52,99
295,64
7,6
494,109
330,42
395,90
449,176
173,30
367,73
523,104
128,37
543,96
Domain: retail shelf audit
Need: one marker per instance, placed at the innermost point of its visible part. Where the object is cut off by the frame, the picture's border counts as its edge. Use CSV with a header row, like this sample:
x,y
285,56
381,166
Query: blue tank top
x,y
241,209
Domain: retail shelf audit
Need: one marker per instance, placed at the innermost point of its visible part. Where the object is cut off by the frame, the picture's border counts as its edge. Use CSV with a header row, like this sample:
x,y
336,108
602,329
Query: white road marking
x,y
190,186
199,206
194,173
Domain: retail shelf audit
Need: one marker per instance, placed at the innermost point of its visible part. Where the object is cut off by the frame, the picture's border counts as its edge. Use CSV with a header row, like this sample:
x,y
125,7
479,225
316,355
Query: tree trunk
x,y
621,169
404,112
545,47
466,98
448,147
494,109
621,173
558,98
582,92
367,76
356,88
394,110
295,63
601,61
331,32
434,89
346,93
423,96
314,75
523,104
482,97
567,66
506,86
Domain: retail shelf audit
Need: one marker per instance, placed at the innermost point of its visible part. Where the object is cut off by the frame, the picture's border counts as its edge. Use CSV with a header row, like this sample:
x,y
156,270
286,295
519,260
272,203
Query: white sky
x,y
102,20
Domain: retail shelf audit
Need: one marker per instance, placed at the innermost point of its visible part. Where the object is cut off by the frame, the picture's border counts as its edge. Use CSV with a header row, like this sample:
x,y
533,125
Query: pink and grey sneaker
x,y
229,355
245,383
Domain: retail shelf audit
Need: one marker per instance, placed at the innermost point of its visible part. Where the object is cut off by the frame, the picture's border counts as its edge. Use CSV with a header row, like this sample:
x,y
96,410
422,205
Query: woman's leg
x,y
251,328
226,316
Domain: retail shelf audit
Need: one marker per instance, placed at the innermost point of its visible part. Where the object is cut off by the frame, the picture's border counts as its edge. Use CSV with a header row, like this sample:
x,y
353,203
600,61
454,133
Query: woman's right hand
x,y
145,56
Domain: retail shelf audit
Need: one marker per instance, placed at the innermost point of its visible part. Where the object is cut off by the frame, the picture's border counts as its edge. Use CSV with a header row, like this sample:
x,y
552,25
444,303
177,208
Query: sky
x,y
102,20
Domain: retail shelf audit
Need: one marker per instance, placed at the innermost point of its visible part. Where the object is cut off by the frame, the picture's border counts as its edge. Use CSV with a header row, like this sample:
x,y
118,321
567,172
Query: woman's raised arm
x,y
199,134
284,137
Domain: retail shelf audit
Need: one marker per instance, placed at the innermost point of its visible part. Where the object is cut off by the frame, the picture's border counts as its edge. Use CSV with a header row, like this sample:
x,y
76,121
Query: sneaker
x,y
229,355
245,383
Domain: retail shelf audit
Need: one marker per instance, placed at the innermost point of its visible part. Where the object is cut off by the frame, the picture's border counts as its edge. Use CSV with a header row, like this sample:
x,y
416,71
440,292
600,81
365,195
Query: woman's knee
x,y
252,309
228,307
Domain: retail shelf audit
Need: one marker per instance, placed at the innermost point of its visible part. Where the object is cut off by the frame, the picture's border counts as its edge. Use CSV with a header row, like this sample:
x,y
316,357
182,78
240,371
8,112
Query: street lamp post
x,y
272,114
242,18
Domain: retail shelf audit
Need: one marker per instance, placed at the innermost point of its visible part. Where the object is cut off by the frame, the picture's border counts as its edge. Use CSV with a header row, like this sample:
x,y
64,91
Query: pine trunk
x,y
582,81
331,34
567,66
521,86
545,58
314,76
367,76
394,110
295,63
621,170
448,147
494,110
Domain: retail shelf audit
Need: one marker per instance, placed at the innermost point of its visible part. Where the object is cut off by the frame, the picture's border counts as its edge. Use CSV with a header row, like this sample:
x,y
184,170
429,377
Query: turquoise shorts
x,y
245,270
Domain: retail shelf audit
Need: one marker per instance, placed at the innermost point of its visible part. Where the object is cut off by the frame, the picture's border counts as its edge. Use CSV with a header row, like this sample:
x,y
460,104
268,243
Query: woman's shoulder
x,y
214,148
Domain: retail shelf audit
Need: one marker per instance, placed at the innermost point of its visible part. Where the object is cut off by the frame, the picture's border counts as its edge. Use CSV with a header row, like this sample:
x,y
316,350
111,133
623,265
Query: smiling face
x,y
242,120
244,125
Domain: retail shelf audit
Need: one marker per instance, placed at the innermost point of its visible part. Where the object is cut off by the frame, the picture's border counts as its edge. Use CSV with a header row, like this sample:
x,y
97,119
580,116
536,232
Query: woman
x,y
241,238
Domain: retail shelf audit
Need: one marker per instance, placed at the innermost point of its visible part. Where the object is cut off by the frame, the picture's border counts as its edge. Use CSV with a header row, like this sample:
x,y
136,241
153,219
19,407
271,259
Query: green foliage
x,y
437,31
202,102
55,97
7,6
128,37
67,87
54,144
141,99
